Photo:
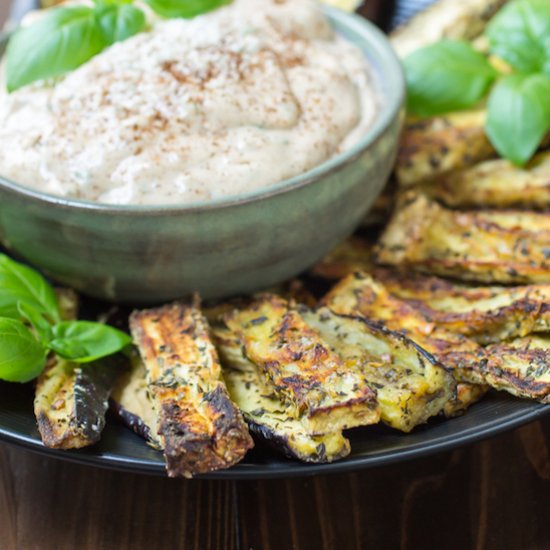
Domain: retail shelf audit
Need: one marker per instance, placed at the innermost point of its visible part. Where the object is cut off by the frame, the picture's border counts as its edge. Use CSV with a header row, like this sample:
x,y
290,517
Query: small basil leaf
x,y
22,357
446,76
36,319
520,34
519,115
19,283
119,21
184,8
60,41
85,341
68,349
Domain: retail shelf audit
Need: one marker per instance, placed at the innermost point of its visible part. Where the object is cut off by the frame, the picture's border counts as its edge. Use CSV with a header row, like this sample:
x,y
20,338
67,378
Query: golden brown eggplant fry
x,y
298,365
411,386
269,418
460,20
466,396
71,399
434,146
489,246
354,254
199,428
489,314
521,367
360,294
132,403
494,184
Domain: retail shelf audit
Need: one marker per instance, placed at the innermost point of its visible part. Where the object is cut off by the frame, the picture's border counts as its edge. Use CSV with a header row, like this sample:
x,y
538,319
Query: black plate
x,y
121,449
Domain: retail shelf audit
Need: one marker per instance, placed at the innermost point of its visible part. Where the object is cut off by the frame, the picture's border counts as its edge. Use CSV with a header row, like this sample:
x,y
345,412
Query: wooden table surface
x,y
494,495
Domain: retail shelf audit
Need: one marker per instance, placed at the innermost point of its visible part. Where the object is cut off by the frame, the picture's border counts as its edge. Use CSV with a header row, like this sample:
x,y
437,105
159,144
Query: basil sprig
x,y
31,327
451,75
64,38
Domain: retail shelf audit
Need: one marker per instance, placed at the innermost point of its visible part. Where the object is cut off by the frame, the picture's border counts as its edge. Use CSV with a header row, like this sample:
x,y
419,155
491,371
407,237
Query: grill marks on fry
x,y
509,365
488,314
269,417
301,368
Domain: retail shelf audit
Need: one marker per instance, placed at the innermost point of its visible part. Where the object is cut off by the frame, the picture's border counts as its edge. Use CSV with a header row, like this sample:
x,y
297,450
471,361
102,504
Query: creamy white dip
x,y
228,102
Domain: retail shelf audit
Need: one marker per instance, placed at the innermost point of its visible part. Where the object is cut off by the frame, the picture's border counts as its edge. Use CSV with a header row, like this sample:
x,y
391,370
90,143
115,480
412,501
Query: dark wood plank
x,y
61,506
490,496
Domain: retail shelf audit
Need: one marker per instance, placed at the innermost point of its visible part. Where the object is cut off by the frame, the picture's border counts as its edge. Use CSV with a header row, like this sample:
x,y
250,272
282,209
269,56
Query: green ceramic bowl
x,y
146,254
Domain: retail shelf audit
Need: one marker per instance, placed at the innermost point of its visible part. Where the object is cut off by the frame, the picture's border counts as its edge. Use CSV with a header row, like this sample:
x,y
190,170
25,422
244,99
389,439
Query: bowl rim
x,y
390,69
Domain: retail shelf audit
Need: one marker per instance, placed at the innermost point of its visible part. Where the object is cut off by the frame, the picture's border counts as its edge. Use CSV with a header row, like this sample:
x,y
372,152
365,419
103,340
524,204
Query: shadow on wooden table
x,y
494,495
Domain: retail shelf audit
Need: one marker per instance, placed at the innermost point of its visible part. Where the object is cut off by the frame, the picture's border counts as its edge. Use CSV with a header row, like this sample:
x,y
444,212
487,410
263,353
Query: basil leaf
x,y
35,318
520,34
19,283
22,357
60,41
519,115
446,76
184,8
119,21
85,341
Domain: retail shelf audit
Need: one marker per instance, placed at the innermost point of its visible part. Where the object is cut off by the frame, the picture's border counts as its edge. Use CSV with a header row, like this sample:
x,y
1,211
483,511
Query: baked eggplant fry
x,y
434,146
298,365
466,396
359,294
269,418
494,183
446,19
521,367
132,404
71,399
488,314
489,246
199,428
410,385
352,255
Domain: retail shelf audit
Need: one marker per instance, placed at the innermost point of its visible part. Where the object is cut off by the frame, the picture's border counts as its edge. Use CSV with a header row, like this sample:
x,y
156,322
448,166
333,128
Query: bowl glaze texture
x,y
148,254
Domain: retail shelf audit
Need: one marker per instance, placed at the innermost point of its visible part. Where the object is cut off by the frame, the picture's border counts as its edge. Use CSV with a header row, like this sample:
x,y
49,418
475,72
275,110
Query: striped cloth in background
x,y
405,9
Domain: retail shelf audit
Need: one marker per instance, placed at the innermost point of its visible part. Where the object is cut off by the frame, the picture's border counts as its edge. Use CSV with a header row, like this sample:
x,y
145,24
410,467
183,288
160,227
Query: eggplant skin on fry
x,y
131,403
360,294
199,427
71,399
488,246
298,365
